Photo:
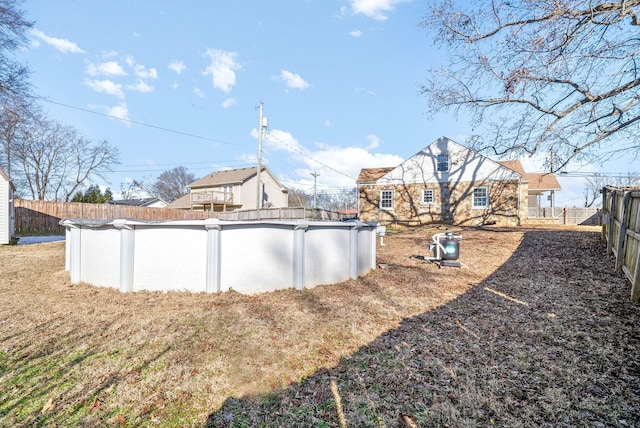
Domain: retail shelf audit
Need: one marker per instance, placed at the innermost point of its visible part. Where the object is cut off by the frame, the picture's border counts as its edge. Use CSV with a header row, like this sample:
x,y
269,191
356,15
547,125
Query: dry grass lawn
x,y
534,330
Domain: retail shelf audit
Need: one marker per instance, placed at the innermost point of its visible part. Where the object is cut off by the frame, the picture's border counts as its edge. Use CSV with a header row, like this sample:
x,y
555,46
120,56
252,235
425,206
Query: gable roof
x,y
7,179
4,175
465,164
538,181
372,174
231,176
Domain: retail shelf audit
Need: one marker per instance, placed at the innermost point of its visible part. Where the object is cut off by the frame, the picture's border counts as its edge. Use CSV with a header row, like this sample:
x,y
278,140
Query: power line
x,y
135,122
309,157
161,128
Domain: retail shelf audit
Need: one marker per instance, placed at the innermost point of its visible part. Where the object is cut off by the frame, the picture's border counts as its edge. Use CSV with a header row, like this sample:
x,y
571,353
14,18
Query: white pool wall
x,y
213,255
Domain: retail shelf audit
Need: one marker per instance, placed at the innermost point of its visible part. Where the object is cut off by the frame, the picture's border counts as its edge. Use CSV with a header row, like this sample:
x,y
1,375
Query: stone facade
x,y
452,203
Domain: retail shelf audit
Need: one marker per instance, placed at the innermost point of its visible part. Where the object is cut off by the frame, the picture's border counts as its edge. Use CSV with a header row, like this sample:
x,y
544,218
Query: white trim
x,y
433,197
391,208
473,198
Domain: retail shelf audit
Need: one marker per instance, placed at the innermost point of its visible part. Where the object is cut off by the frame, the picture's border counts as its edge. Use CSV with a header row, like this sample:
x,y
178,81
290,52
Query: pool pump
x,y
445,248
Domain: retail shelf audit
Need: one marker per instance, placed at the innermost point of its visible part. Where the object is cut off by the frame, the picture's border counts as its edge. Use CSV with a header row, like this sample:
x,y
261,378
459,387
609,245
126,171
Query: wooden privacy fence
x,y
574,215
621,229
43,217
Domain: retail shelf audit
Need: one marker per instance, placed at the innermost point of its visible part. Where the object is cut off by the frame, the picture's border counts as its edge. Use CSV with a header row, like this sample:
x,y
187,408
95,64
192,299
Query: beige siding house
x,y
444,182
234,189
7,214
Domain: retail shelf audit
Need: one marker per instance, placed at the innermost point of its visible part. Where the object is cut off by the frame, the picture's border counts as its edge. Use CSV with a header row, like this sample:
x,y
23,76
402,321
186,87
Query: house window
x,y
480,197
386,199
228,193
443,162
427,196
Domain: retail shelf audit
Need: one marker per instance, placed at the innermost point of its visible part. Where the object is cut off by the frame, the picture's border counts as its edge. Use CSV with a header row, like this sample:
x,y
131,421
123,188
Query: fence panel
x,y
621,229
575,215
43,217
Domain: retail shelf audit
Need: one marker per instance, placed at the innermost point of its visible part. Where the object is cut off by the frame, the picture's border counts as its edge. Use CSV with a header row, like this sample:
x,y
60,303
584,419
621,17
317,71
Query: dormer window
x,y
442,162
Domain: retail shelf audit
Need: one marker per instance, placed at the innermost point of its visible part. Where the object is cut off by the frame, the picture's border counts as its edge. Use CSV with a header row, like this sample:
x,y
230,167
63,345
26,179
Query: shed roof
x,y
538,181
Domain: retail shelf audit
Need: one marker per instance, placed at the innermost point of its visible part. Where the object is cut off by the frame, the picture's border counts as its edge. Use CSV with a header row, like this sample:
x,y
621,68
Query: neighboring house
x,y
234,189
144,202
7,212
539,184
444,182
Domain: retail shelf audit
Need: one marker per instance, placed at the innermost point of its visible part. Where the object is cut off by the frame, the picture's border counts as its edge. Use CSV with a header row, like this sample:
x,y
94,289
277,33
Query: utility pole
x,y
315,189
259,167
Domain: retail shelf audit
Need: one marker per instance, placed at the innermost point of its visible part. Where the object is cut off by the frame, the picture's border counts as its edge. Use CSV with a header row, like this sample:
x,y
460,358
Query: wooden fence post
x,y
623,230
635,281
612,217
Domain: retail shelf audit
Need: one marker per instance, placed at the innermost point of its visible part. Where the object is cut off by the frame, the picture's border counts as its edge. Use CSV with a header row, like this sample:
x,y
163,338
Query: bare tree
x,y
557,77
299,198
343,199
170,185
13,26
594,185
53,161
16,114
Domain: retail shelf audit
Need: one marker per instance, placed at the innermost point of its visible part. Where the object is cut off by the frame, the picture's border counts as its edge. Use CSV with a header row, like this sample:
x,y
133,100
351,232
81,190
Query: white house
x,y
7,213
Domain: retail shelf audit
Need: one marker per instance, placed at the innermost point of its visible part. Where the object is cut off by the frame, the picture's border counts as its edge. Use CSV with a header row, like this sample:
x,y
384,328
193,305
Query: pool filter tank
x,y
446,249
451,247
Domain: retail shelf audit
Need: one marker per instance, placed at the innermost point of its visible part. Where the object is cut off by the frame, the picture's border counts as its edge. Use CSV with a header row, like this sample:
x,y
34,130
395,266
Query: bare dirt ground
x,y
534,330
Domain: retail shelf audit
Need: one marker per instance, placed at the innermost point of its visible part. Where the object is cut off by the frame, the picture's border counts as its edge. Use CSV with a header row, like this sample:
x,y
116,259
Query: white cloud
x,y
140,70
229,102
198,92
63,45
293,80
175,85
119,111
280,140
355,33
338,166
375,9
374,141
140,86
109,68
177,67
222,68
105,87
327,123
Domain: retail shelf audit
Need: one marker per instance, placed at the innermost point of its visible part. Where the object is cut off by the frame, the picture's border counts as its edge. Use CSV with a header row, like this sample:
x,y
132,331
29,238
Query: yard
x,y
534,330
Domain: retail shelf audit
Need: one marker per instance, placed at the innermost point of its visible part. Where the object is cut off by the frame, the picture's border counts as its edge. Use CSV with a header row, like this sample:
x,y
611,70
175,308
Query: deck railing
x,y
211,197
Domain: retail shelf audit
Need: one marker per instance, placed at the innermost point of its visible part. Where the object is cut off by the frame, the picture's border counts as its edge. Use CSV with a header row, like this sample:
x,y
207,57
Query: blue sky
x,y
339,80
